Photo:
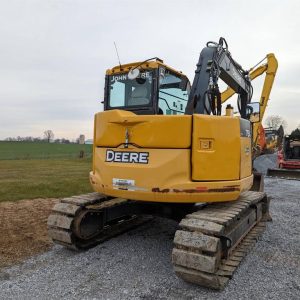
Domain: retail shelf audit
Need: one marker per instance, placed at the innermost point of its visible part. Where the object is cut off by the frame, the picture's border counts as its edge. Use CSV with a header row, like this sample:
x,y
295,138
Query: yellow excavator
x,y
162,147
269,68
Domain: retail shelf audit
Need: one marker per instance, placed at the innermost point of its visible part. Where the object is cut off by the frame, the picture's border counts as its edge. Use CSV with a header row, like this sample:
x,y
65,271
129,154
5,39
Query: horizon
x,y
55,54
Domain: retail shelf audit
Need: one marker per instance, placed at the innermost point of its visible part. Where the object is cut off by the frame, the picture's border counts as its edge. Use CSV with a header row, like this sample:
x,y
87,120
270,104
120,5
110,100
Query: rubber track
x,y
63,217
197,255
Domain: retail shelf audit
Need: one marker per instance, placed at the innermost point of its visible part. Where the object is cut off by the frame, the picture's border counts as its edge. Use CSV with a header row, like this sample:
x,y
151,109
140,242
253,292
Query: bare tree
x,y
10,139
274,122
49,135
28,139
23,139
65,141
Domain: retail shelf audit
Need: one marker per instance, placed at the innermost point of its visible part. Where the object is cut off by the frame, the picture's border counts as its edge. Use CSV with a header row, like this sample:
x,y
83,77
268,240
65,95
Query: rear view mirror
x,y
253,112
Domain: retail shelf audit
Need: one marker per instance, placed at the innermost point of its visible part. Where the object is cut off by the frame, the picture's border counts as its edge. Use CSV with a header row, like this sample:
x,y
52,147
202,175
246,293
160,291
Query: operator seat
x,y
139,96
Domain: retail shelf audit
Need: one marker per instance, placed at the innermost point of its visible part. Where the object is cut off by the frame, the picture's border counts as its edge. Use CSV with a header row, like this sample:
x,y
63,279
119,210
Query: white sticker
x,y
126,184
123,183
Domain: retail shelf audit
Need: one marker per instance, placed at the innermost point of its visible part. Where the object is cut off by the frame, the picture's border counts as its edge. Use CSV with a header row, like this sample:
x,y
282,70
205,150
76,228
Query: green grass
x,y
27,150
43,178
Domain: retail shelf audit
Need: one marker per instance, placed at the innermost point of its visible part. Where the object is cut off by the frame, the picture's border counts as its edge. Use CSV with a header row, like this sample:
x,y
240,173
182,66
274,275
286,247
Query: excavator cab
x,y
146,88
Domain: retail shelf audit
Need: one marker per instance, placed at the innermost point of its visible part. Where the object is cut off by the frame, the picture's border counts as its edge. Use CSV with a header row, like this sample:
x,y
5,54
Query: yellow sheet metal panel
x,y
157,168
164,178
246,158
215,148
155,131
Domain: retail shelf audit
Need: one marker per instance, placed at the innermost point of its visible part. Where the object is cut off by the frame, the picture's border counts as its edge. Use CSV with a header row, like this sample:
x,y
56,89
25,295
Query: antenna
x,y
117,54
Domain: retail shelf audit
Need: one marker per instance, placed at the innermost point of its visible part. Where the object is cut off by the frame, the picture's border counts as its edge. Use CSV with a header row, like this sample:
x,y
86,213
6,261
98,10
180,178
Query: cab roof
x,y
152,64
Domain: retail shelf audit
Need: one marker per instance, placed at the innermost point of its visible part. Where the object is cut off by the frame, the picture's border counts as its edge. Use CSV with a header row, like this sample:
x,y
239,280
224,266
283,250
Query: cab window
x,y
173,92
125,92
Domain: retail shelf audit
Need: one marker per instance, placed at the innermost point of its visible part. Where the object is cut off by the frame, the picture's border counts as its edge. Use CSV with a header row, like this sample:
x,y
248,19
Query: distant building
x,y
81,139
89,142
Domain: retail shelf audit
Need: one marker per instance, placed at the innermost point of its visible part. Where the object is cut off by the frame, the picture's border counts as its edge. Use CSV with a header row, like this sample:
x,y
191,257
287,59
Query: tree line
x,y
275,122
47,137
37,140
271,122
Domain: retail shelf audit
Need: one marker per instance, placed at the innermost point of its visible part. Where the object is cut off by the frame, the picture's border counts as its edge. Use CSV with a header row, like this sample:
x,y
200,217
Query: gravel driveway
x,y
136,265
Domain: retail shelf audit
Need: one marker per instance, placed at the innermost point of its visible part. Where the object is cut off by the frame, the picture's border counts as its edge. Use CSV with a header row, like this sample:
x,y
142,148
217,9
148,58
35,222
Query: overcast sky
x,y
54,53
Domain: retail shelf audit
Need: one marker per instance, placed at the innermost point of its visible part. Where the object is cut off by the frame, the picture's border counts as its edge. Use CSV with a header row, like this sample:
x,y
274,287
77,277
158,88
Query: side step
x,y
293,174
212,242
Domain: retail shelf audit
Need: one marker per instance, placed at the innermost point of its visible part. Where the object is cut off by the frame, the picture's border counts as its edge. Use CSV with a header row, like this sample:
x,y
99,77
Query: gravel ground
x,y
136,265
264,162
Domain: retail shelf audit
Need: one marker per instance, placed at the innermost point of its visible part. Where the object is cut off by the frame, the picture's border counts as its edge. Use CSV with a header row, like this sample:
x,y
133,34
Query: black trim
x,y
106,94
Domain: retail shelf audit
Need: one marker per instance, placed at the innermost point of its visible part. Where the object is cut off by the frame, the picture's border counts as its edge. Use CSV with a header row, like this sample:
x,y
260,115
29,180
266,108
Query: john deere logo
x,y
127,157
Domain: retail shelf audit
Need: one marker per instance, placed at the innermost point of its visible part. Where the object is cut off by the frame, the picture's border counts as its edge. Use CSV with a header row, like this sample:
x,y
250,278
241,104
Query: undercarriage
x,y
211,241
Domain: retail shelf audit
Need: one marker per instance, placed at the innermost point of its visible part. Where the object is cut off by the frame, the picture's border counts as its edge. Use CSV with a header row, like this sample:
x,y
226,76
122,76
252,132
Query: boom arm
x,y
270,69
215,61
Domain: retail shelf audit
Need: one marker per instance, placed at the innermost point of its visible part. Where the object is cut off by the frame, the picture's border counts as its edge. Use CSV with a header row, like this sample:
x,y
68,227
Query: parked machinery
x,y
288,159
163,147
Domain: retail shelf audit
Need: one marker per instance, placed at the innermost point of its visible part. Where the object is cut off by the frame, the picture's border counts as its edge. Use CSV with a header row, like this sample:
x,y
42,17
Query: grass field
x,y
27,150
47,178
42,170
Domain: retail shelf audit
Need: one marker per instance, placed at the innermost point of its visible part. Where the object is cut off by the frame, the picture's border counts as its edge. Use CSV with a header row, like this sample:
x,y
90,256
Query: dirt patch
x,y
23,229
